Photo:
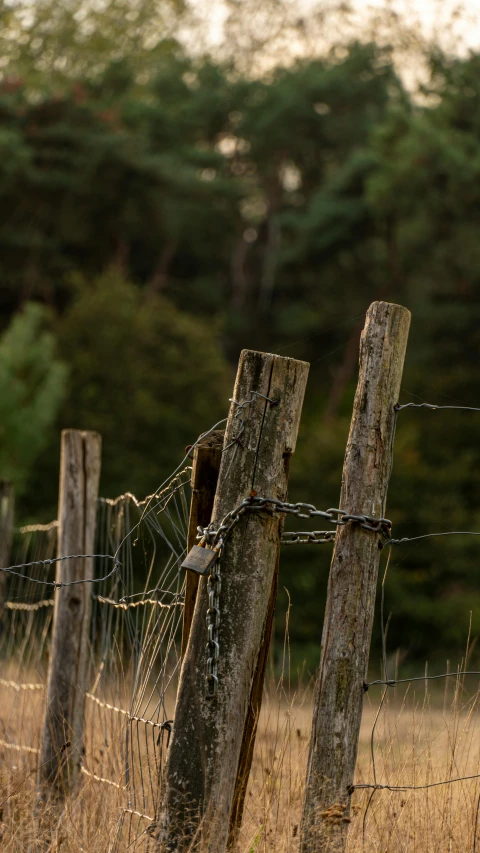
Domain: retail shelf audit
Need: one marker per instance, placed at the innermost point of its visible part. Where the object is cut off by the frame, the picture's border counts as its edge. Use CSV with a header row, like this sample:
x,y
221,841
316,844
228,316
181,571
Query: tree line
x,y
161,209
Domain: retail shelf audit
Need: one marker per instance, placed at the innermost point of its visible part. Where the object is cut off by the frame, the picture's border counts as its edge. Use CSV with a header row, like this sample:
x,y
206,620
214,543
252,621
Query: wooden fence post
x,y
349,611
7,501
207,456
80,461
198,784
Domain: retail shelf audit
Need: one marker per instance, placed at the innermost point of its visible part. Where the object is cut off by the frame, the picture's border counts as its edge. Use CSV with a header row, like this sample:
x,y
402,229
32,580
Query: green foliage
x,y
32,388
234,211
47,42
147,377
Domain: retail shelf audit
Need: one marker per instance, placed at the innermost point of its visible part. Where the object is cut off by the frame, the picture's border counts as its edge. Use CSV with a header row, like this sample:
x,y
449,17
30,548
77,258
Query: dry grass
x,y
420,738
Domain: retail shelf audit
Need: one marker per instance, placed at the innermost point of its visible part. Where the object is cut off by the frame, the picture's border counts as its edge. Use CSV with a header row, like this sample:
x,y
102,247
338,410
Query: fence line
x,y
19,747
32,606
101,779
138,648
134,639
387,682
18,687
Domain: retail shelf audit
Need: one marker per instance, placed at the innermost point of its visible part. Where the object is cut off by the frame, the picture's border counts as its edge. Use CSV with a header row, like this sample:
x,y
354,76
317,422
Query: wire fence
x,y
385,824
134,649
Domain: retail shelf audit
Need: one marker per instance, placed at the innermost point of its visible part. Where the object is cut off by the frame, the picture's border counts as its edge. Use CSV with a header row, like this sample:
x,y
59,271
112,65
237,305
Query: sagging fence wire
x,y
388,682
133,649
135,634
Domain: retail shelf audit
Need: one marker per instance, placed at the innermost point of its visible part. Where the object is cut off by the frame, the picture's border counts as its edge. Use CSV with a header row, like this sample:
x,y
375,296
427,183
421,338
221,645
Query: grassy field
x,y
420,738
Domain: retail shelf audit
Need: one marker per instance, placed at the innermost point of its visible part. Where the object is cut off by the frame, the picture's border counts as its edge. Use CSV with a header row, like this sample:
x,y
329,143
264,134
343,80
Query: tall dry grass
x,y
420,737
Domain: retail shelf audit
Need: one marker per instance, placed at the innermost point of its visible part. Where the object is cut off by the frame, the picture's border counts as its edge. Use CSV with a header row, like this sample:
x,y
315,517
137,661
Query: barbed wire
x,y
157,503
11,570
134,637
37,528
387,682
18,747
166,726
433,407
137,814
178,596
25,605
102,779
392,682
122,605
15,685
424,787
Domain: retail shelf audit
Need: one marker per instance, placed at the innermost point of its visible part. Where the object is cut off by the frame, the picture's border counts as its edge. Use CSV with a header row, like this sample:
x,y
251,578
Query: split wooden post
x,y
198,784
207,456
7,501
65,703
347,626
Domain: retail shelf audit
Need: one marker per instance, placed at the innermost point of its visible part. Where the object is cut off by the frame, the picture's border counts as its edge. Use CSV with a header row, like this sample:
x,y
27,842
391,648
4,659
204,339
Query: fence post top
x,y
380,304
252,352
84,433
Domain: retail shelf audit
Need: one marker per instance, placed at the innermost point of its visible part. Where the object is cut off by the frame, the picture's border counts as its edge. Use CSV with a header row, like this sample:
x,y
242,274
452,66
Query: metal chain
x,y
308,537
214,586
216,540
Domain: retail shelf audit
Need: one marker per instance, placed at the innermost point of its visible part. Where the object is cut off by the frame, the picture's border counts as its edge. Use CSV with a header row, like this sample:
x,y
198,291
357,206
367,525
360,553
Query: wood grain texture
x,y
199,780
352,583
207,456
64,713
7,501
251,722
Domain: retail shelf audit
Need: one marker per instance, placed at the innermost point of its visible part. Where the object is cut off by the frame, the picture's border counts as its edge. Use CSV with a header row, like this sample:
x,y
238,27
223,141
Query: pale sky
x,y
452,24
436,18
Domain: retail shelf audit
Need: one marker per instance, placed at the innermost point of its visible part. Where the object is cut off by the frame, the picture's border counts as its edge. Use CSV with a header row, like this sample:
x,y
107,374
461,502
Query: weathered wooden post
x,y
347,626
207,456
65,703
7,500
198,785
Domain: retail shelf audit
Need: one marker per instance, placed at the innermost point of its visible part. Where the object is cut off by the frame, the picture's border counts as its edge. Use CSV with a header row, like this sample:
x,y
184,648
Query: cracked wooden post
x,y
207,456
7,500
65,703
198,784
349,611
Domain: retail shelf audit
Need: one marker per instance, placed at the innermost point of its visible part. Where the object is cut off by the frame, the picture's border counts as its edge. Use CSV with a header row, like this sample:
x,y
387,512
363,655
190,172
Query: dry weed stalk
x,y
420,737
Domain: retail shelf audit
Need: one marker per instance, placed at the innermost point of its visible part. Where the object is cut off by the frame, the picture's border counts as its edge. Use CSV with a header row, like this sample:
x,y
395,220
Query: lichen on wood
x,y
199,782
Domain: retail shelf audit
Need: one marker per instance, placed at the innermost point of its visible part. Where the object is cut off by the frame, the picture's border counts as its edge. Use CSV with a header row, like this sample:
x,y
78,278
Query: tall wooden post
x,y
347,626
207,456
198,785
65,704
7,499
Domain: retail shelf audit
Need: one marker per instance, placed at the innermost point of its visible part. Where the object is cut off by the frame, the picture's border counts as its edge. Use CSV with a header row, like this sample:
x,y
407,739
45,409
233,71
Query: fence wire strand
x,y
134,646
387,682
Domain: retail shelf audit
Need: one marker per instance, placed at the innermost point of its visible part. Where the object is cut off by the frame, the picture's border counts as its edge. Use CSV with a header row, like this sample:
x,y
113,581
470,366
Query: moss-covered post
x,y
199,782
347,626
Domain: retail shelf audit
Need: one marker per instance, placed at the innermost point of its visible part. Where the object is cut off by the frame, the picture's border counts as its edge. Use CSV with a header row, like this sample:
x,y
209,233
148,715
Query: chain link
x,y
216,540
308,537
